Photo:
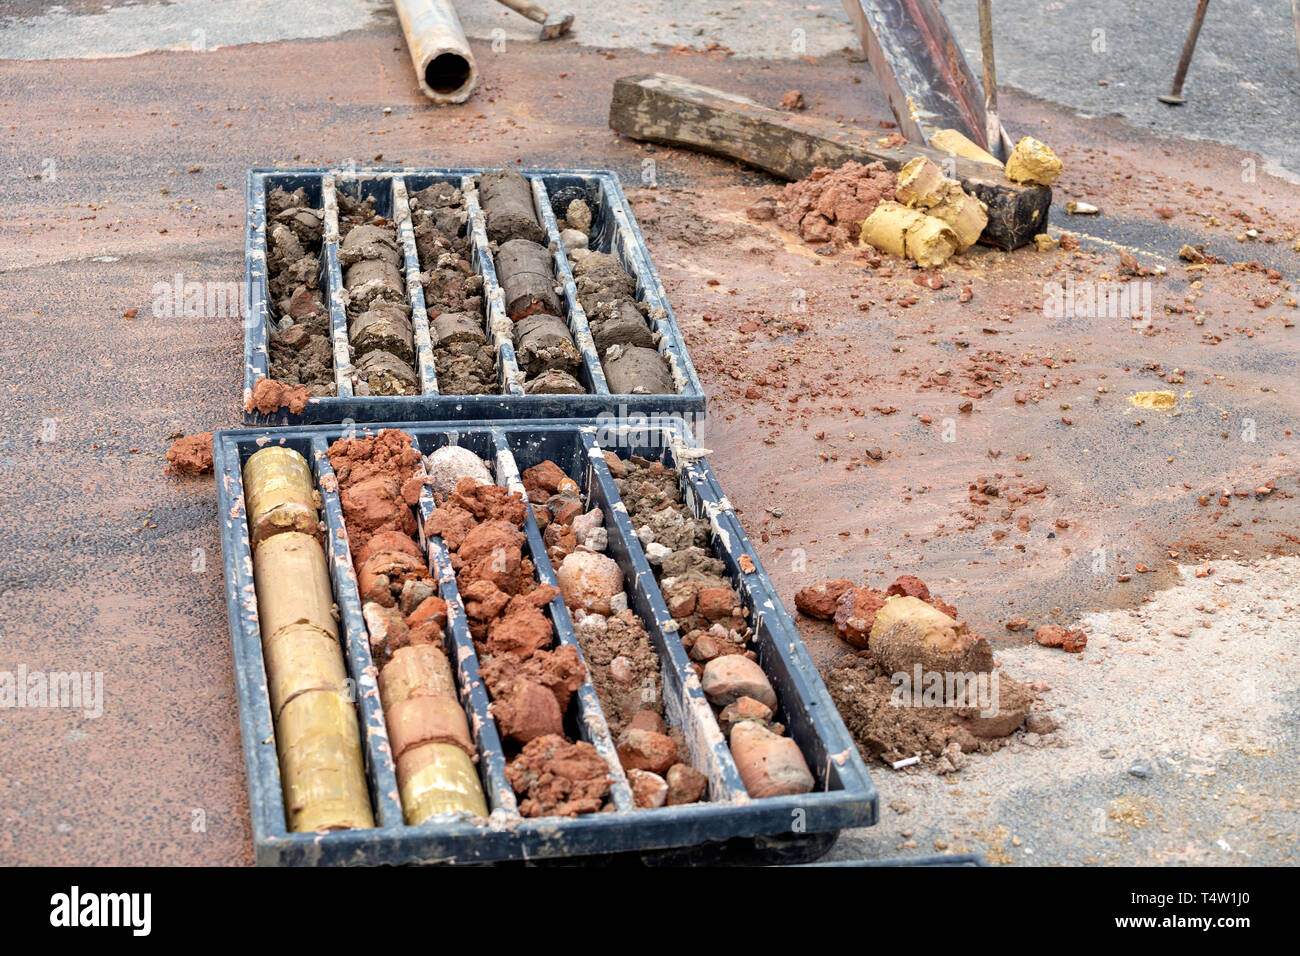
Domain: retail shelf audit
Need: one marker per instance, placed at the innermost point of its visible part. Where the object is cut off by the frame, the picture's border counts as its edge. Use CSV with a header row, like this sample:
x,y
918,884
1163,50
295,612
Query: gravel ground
x,y
1176,726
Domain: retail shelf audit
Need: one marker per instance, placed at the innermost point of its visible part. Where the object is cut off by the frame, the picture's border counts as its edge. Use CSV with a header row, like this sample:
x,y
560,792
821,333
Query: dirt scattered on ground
x,y
863,694
921,684
190,455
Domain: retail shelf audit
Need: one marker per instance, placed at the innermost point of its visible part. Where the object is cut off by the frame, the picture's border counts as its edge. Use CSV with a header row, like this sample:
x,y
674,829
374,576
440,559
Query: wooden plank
x,y
670,109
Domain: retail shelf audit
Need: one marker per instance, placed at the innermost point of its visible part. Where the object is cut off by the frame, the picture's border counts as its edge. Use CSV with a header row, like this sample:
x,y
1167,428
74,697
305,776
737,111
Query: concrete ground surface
x,y
126,154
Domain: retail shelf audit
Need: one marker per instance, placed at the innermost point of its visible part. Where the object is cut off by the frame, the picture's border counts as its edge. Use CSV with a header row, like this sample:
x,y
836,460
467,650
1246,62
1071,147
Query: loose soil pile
x,y
830,205
713,625
625,668
921,685
453,294
379,317
298,324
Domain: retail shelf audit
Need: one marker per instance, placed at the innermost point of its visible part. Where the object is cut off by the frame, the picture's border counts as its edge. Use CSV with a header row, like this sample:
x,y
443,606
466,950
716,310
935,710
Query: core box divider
x,y
334,291
613,230
775,829
414,291
500,328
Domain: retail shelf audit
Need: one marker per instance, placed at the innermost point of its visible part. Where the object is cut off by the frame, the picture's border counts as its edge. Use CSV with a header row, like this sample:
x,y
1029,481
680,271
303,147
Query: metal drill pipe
x,y
444,65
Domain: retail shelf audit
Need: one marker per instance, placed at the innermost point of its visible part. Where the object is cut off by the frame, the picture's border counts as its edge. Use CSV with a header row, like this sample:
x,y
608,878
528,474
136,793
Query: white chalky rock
x,y
449,464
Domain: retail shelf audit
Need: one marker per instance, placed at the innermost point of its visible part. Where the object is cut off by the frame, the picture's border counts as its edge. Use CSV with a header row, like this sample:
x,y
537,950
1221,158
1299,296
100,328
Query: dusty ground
x,y
112,567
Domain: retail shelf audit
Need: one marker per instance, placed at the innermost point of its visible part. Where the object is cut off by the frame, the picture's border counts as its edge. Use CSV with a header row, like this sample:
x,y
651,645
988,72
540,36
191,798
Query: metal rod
x,y
1175,95
1295,18
992,124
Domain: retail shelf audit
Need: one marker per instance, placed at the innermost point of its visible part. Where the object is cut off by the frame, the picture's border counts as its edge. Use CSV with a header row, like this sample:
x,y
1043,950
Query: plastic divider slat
x,y
257,332
499,326
591,718
336,297
414,291
266,789
690,709
578,325
381,772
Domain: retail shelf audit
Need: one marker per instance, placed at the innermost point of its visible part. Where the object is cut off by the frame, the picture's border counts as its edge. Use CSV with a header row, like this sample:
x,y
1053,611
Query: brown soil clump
x,y
620,327
269,396
379,317
820,600
1072,641
191,455
557,778
863,694
463,357
830,205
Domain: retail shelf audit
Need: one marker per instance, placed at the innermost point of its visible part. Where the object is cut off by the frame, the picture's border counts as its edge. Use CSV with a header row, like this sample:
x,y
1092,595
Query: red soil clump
x,y
830,205
269,396
380,479
190,455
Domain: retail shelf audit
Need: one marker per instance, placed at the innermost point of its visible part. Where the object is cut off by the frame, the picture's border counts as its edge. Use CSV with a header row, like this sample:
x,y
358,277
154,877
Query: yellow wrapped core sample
x,y
1034,163
293,585
438,778
279,494
320,764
